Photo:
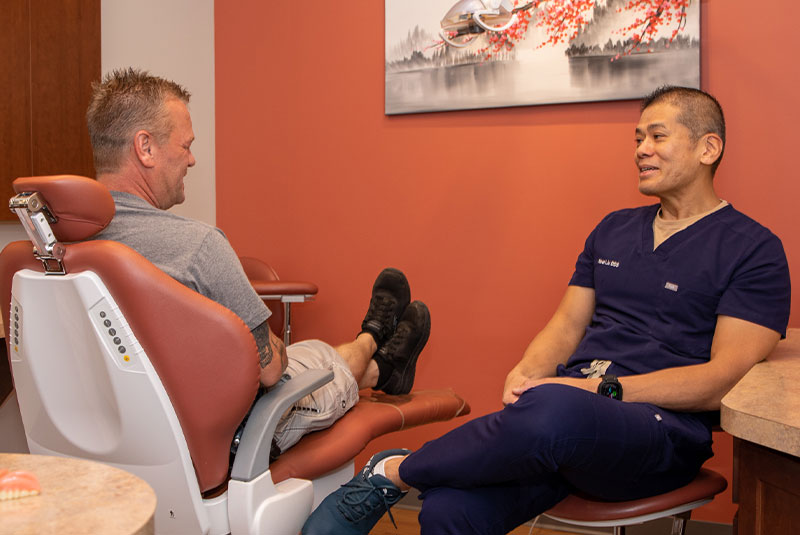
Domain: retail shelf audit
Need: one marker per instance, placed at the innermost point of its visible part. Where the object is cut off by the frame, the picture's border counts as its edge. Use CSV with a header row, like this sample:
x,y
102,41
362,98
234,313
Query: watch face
x,y
611,390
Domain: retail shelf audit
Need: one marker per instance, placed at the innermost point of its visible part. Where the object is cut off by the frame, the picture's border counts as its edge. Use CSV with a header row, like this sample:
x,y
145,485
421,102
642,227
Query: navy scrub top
x,y
658,309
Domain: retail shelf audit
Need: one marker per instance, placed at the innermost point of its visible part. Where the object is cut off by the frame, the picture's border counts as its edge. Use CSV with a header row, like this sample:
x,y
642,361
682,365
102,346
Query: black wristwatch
x,y
610,387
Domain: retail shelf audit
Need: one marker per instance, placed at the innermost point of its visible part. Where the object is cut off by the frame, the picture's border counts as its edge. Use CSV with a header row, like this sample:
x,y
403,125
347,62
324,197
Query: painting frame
x,y
591,62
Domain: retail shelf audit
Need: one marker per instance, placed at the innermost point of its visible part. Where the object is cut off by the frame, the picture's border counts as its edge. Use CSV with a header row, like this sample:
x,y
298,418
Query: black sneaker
x,y
357,506
390,297
401,351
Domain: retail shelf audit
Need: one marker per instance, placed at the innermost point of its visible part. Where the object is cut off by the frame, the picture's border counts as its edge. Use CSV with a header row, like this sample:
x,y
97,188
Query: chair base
x,y
677,525
260,506
682,513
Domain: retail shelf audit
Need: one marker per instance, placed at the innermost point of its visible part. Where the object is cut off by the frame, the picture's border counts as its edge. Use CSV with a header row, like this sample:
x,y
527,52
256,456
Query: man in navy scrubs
x,y
668,307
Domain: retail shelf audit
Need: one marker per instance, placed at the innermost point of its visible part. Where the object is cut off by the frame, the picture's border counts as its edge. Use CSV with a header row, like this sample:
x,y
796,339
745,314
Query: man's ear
x,y
711,146
144,147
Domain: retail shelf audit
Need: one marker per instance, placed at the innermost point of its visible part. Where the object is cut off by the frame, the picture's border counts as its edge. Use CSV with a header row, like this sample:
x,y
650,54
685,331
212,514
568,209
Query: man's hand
x,y
515,392
554,344
513,382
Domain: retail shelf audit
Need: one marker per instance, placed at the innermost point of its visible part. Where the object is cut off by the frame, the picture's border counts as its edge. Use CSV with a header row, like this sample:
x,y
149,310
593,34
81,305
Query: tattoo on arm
x,y
261,334
265,356
268,346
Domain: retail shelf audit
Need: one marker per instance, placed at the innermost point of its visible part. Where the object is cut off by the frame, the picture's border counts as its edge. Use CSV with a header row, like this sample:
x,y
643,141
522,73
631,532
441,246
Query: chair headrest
x,y
82,206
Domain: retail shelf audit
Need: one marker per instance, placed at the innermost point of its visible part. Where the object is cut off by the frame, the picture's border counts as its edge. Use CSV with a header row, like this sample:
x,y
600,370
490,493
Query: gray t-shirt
x,y
192,252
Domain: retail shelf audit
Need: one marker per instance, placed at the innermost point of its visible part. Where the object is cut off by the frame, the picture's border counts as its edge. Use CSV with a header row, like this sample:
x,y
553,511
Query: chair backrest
x,y
116,361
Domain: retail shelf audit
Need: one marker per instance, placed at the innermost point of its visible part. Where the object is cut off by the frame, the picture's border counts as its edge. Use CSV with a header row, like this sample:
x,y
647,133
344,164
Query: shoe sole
x,y
408,383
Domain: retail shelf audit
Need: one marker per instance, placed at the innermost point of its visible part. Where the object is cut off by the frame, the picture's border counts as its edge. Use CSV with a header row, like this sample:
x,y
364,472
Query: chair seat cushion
x,y
374,415
575,507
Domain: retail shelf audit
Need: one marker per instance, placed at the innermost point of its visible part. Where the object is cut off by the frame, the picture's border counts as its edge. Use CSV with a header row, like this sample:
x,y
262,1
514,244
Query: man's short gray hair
x,y
124,102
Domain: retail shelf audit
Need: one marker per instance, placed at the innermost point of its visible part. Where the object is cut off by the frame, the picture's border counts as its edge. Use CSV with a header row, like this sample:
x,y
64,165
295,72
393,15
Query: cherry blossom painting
x,y
466,54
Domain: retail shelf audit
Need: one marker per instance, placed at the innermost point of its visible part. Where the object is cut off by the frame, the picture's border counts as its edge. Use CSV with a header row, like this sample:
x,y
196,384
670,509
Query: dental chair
x,y
112,360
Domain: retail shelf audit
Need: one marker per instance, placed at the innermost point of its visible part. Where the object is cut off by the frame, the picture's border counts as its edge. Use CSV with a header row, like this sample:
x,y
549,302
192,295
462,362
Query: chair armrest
x,y
278,290
252,456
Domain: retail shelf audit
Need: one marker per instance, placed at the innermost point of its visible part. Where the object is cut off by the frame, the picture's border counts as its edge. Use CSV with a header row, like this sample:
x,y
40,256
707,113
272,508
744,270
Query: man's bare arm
x,y
555,342
270,347
737,346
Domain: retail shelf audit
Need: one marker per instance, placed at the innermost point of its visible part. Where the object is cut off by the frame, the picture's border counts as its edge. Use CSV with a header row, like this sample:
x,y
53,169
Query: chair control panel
x,y
14,328
117,336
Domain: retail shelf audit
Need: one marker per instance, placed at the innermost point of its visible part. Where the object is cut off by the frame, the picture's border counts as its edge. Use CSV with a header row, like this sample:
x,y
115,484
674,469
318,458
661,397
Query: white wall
x,y
173,39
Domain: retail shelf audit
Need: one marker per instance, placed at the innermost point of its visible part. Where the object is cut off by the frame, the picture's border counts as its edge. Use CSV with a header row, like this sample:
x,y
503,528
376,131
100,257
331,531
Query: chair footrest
x,y
374,415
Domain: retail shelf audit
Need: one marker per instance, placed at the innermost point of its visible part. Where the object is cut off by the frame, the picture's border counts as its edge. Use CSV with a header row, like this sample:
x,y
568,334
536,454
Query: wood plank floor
x,y
407,525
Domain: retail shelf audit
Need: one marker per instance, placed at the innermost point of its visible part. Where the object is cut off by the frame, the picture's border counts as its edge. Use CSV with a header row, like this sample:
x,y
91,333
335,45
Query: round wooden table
x,y
78,497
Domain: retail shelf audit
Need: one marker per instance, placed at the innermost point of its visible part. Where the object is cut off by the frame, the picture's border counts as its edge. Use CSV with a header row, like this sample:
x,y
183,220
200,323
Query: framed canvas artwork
x,y
466,54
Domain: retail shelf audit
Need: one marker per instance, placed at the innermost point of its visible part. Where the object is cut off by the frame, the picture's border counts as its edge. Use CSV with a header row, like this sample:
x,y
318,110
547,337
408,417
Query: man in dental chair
x,y
141,134
668,307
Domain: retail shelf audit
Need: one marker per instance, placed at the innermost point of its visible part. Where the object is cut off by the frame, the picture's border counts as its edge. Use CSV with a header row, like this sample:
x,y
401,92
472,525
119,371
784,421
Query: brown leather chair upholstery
x,y
374,415
196,345
678,504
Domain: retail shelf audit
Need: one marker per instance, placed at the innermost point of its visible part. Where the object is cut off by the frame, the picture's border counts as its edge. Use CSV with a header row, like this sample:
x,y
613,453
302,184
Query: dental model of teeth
x,y
17,484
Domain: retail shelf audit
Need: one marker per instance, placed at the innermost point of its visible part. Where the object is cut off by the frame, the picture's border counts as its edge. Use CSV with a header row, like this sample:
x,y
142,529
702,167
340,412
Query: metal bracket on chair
x,y
287,301
36,219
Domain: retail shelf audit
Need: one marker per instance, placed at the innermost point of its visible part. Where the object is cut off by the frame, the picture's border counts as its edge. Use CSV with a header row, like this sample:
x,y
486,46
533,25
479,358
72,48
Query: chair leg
x,y
619,530
287,324
679,523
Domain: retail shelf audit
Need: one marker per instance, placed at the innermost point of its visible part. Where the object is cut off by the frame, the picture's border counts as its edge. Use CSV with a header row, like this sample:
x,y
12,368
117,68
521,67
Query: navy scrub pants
x,y
498,471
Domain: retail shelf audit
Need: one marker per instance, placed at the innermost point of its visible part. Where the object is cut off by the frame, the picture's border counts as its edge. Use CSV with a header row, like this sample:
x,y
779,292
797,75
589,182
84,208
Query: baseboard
x,y
661,526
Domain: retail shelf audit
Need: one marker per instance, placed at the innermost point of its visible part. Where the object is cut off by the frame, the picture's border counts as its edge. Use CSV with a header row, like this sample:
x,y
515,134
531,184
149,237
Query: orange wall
x,y
485,211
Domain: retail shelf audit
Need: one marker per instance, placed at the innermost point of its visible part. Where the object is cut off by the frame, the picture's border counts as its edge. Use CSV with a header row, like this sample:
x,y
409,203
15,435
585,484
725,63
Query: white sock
x,y
379,468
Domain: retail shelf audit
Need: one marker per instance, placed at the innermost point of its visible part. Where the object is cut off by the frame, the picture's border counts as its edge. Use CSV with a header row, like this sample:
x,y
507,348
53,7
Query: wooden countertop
x,y
764,407
77,497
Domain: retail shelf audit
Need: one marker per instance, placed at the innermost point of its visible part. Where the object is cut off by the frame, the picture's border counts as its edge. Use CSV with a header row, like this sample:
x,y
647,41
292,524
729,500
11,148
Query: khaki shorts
x,y
323,406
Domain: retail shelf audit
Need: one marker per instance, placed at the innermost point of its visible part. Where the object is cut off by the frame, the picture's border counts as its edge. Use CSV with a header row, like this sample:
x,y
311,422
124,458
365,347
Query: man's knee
x,y
552,410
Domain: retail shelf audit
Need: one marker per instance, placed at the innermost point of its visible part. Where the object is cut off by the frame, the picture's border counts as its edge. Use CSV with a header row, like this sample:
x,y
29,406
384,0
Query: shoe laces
x,y
383,307
395,343
356,502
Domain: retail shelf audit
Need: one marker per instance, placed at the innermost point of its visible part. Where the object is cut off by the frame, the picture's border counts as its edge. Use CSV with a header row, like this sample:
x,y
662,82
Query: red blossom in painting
x,y
652,15
563,20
